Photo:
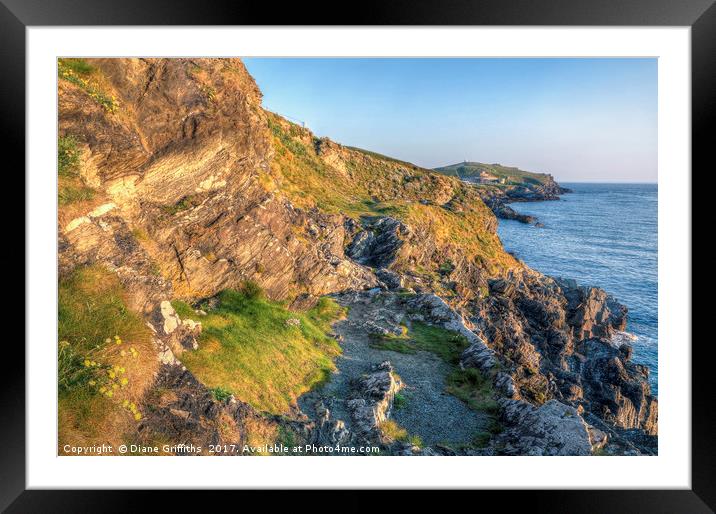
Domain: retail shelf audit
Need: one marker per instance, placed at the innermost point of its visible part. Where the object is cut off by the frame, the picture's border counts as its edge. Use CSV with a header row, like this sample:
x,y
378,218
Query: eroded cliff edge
x,y
196,189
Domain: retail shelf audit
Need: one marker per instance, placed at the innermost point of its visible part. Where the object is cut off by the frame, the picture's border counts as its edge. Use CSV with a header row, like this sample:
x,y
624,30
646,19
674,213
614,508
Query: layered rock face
x,y
181,166
555,339
194,195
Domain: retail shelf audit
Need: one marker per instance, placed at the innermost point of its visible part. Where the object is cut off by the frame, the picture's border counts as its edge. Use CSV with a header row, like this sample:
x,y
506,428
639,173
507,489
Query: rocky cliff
x,y
189,188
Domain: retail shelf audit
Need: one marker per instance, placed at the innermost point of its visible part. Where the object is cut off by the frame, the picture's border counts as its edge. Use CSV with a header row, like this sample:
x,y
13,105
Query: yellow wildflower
x,y
87,363
137,416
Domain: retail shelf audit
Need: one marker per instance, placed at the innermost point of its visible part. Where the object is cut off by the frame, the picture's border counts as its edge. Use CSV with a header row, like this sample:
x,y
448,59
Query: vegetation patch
x,y
505,175
105,358
220,394
70,187
87,78
474,388
185,203
249,347
447,344
392,431
399,401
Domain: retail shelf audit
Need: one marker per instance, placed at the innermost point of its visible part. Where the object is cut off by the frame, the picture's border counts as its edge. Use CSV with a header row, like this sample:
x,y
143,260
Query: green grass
x,y
447,344
511,175
247,347
220,394
392,431
399,401
185,203
68,193
68,156
474,388
106,358
77,66
91,309
70,187
89,79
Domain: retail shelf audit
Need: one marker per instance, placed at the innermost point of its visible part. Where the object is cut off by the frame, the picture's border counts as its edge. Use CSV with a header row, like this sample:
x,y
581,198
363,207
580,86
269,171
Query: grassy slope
x,y
512,176
374,185
105,359
248,348
420,336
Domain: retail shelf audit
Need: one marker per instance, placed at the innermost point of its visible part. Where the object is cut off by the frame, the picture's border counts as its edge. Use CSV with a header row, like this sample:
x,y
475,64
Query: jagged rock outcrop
x,y
178,334
372,399
378,244
616,389
183,165
554,340
104,236
551,429
592,312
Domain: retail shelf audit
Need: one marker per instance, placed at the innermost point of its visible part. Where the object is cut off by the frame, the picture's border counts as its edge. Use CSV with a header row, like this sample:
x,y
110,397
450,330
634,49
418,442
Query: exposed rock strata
x,y
373,399
187,206
183,164
551,429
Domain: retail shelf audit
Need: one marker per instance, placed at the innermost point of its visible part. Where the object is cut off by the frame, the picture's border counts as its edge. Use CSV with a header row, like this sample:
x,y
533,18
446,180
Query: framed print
x,y
455,240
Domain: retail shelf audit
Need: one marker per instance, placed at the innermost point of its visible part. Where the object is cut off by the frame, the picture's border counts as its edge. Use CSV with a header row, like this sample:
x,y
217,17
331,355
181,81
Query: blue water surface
x,y
602,235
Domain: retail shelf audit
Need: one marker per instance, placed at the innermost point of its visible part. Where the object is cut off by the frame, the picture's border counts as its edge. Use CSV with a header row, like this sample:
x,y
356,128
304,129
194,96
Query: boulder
x,y
372,399
551,429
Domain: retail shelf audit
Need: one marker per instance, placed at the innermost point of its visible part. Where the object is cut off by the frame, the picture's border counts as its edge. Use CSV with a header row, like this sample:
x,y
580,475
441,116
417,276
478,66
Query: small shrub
x,y
474,388
446,268
220,394
286,436
81,74
416,440
392,431
210,92
68,156
184,203
399,401
495,427
251,290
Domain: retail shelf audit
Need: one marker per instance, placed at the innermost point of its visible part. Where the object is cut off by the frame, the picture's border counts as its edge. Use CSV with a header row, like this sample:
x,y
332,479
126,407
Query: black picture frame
x,y
17,15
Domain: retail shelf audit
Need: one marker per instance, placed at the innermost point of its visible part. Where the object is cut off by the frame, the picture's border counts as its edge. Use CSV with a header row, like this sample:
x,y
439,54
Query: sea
x,y
602,235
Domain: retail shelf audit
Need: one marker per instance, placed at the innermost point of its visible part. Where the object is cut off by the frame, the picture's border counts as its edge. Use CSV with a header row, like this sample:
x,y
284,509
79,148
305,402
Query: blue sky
x,y
579,119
